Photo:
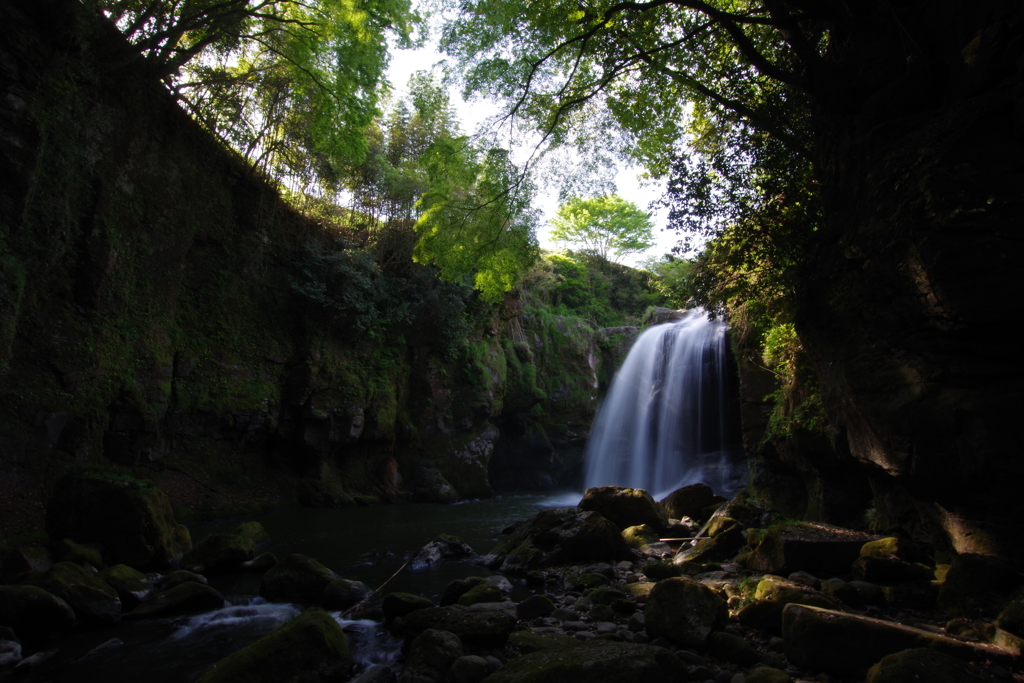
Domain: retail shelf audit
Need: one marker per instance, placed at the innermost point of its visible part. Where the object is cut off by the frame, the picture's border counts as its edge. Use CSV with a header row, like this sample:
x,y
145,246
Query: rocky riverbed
x,y
618,588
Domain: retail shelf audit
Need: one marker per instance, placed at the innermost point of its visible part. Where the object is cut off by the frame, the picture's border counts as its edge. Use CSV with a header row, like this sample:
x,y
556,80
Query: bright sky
x,y
406,62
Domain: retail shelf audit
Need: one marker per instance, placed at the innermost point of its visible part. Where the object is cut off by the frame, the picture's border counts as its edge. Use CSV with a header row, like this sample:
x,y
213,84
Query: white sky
x,y
471,114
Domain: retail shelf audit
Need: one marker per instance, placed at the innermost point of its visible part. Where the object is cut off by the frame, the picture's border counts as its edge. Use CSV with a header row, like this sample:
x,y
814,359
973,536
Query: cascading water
x,y
670,417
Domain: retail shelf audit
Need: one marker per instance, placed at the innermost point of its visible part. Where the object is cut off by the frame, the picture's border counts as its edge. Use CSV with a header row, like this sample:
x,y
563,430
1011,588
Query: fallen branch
x,y
360,603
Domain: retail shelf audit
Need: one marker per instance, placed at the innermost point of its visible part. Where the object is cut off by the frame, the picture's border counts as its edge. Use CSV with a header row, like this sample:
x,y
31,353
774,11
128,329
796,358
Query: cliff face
x,y
149,319
904,303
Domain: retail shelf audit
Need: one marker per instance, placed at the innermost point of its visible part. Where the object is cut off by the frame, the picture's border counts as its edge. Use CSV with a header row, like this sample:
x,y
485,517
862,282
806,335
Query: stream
x,y
365,544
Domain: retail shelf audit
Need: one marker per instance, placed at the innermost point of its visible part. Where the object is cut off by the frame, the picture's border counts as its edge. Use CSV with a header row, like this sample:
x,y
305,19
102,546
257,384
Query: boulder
x,y
33,612
594,662
92,599
528,642
10,654
976,584
483,592
889,570
640,591
767,674
311,645
688,501
899,548
469,669
129,584
684,611
400,604
444,547
457,588
847,645
640,535
26,559
431,654
186,598
805,546
771,597
535,606
843,592
733,649
722,545
559,536
297,578
82,554
227,552
1012,618
923,664
344,593
132,520
485,627
178,577
259,564
624,507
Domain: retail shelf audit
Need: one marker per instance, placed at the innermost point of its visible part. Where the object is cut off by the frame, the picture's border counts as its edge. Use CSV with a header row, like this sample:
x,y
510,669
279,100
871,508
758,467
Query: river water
x,y
364,544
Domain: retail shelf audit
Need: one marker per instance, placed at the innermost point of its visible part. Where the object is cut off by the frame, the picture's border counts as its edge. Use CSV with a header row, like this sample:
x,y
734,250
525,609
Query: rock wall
x,y
148,323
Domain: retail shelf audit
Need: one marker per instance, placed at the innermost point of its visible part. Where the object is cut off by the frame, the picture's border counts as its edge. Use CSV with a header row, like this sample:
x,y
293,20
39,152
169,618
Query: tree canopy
x,y
608,226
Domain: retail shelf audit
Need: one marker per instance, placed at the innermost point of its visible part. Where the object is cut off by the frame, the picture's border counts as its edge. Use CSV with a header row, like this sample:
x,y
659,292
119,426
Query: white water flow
x,y
670,416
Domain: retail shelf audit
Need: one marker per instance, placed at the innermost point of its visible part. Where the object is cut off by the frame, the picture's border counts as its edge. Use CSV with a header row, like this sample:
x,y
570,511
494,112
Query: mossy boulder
x,y
483,592
661,569
767,674
129,584
485,627
296,578
178,577
595,662
640,535
457,588
639,591
721,546
1012,618
889,570
559,536
923,664
688,501
684,611
399,604
186,598
132,520
624,507
26,559
892,546
92,599
33,612
81,553
310,647
227,552
528,642
444,547
535,606
344,593
431,655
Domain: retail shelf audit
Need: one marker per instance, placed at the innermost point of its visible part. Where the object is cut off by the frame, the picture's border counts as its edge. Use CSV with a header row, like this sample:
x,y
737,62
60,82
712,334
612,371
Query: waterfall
x,y
670,417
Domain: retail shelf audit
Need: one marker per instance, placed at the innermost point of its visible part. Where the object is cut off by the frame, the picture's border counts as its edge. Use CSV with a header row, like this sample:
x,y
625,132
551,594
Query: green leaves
x,y
608,226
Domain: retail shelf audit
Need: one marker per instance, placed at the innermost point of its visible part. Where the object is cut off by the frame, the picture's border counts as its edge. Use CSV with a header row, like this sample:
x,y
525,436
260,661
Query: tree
x,y
608,226
289,84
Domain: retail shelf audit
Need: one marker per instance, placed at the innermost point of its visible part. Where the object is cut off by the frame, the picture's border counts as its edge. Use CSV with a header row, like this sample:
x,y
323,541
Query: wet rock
x,y
897,548
624,507
101,649
400,604
33,612
129,583
640,535
527,642
297,578
688,501
684,611
772,595
310,647
178,577
431,655
595,662
730,648
767,674
639,591
843,592
377,673
28,665
812,547
1012,617
976,584
559,536
919,595
92,599
869,592
260,563
535,606
133,521
806,579
226,552
721,546
889,570
444,547
468,669
485,627
847,645
344,593
186,598
923,664
10,654
661,569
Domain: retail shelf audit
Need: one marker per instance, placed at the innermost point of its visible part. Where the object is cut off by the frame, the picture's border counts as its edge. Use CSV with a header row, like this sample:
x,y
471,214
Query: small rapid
x,y
671,414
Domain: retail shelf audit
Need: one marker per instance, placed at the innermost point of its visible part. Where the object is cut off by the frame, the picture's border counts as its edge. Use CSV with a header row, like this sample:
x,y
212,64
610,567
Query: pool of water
x,y
371,545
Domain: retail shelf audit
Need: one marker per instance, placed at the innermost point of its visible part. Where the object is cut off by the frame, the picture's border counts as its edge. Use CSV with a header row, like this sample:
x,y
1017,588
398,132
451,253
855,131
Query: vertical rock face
x,y
916,266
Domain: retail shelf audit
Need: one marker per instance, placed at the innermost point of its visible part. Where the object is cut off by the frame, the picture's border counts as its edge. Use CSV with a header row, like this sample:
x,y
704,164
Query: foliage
x,y
477,220
673,279
608,226
796,401
289,84
581,284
